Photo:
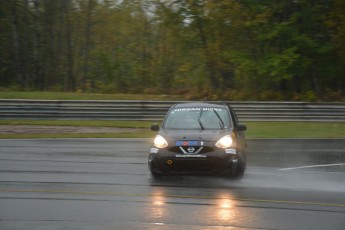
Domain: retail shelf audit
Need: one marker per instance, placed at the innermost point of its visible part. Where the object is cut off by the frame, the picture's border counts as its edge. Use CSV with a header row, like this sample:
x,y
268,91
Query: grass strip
x,y
43,95
255,129
85,123
148,134
296,129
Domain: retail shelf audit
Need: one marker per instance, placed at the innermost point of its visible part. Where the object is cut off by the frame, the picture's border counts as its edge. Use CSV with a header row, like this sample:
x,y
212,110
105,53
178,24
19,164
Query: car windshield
x,y
197,118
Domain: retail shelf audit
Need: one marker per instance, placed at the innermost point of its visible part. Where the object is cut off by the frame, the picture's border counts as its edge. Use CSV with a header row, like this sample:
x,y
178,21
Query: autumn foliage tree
x,y
232,50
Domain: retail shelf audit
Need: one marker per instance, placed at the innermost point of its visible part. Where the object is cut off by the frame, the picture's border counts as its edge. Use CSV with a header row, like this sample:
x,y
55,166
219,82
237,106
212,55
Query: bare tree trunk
x,y
87,44
209,65
69,81
38,49
18,63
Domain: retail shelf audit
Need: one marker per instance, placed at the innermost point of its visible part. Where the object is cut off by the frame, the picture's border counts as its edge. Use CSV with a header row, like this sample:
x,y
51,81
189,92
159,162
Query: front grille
x,y
207,165
177,149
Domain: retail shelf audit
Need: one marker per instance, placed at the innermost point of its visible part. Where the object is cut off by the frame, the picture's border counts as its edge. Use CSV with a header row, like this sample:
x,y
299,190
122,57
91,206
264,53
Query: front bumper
x,y
217,162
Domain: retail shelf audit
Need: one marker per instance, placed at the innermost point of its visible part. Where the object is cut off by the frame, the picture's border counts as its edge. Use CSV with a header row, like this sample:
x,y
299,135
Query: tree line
x,y
229,49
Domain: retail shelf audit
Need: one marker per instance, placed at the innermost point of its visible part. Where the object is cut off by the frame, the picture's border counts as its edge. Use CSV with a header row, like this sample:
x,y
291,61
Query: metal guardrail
x,y
155,110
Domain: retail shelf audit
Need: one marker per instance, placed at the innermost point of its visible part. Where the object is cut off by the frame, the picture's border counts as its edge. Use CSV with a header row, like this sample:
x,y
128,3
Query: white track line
x,y
313,166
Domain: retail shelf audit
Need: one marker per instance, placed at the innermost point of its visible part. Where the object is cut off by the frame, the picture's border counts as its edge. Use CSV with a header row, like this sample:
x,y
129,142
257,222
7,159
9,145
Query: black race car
x,y
199,139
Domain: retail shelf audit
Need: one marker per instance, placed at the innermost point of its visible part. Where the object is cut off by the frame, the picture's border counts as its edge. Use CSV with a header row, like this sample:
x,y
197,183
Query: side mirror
x,y
155,127
241,127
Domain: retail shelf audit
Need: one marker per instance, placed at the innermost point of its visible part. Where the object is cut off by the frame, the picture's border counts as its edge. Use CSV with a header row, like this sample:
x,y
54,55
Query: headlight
x,y
224,142
160,142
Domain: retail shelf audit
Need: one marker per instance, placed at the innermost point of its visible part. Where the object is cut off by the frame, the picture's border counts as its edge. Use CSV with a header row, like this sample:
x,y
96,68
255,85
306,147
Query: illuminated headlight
x,y
224,142
160,142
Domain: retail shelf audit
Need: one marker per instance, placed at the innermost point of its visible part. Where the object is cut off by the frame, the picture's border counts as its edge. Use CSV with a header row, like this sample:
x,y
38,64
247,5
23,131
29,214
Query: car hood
x,y
201,135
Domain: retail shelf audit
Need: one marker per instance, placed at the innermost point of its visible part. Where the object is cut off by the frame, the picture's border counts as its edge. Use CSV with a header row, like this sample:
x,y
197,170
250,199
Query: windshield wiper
x,y
221,122
199,120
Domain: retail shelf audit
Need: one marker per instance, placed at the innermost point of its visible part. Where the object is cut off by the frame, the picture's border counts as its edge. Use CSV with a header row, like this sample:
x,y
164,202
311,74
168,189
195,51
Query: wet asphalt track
x,y
104,184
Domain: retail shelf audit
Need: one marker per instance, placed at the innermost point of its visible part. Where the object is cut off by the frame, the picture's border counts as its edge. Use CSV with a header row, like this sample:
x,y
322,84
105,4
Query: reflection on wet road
x,y
104,184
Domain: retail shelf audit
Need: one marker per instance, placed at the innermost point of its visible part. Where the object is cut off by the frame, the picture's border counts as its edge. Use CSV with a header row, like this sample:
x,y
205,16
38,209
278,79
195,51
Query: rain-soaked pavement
x,y
104,184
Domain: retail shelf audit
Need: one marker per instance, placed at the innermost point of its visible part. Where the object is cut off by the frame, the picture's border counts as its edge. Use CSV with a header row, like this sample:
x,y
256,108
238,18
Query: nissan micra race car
x,y
199,139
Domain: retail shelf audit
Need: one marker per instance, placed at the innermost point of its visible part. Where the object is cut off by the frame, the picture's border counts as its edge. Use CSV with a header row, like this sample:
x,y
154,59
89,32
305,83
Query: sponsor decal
x,y
187,109
154,150
197,109
188,143
231,151
211,109
191,156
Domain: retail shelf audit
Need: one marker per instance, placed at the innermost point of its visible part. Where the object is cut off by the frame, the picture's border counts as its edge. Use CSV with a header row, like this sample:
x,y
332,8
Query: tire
x,y
154,171
240,167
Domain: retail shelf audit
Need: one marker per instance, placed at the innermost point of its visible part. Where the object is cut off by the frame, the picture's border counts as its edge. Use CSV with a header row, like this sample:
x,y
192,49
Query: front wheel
x,y
239,168
154,171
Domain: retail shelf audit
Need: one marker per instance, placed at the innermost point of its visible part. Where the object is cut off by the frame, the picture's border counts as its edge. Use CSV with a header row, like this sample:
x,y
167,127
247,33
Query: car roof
x,y
199,104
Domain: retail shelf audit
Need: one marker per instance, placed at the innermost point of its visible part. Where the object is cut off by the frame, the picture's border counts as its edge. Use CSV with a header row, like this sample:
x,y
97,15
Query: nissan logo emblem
x,y
191,150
